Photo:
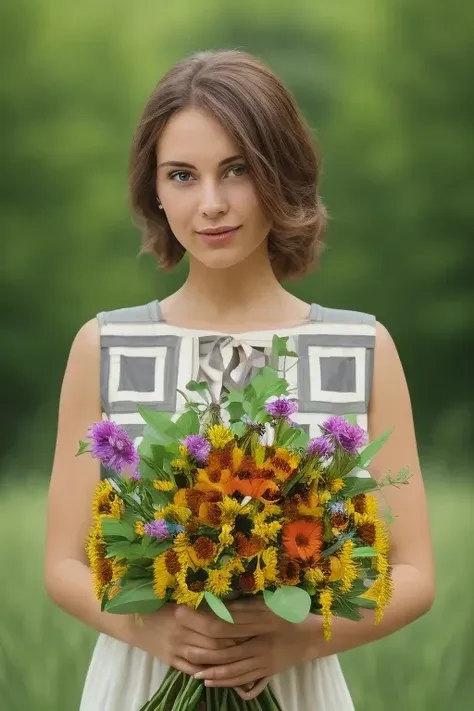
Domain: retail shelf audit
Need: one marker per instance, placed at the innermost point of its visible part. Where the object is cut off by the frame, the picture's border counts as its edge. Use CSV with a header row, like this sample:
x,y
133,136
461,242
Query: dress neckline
x,y
237,334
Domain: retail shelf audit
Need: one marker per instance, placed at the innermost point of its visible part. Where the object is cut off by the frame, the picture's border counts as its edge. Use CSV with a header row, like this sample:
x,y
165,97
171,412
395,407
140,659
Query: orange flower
x,y
256,488
303,539
248,547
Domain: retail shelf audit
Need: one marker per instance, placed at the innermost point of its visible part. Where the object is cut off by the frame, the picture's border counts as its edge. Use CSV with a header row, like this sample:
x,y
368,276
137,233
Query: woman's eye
x,y
240,169
183,175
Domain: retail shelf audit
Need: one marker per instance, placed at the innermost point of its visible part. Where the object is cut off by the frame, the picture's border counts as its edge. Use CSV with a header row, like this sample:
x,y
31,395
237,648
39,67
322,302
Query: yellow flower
x,y
231,508
219,581
139,528
349,567
336,485
234,566
337,569
219,436
161,485
325,496
105,502
101,567
371,505
225,536
270,559
183,450
183,595
162,579
178,463
119,568
313,508
326,597
267,531
314,576
381,543
380,592
259,577
178,514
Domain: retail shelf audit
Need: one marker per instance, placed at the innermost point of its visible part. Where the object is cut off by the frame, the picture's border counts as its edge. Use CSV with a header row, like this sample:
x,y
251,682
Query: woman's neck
x,y
245,296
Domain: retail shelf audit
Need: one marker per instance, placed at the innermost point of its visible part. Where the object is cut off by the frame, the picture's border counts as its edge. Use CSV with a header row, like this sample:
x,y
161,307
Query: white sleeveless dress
x,y
144,360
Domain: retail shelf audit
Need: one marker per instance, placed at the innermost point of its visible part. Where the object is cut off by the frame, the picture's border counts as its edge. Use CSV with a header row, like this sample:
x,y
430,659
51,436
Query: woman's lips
x,y
219,237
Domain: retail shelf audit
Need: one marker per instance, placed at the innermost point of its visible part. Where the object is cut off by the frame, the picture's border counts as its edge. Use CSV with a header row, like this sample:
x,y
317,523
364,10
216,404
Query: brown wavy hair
x,y
262,117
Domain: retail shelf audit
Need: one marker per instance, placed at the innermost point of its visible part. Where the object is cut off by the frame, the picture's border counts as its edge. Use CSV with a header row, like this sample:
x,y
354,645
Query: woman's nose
x,y
213,201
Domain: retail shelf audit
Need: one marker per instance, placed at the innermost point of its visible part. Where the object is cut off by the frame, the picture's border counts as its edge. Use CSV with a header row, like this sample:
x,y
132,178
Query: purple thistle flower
x,y
281,407
112,445
135,476
198,447
157,528
349,437
321,447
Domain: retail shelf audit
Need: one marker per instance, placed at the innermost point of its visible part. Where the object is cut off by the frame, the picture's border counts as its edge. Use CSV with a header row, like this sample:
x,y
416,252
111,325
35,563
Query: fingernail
x,y
199,675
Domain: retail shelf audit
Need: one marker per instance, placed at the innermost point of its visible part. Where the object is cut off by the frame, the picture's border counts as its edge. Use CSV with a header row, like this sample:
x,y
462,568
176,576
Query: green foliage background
x,y
386,85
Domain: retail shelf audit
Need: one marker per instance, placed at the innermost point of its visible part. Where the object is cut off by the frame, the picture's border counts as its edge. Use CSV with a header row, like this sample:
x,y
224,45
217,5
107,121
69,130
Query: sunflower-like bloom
x,y
101,567
177,514
105,502
282,464
219,581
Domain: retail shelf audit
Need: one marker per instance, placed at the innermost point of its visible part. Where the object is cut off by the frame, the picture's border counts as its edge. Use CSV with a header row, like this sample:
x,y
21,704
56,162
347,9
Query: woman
x,y
223,168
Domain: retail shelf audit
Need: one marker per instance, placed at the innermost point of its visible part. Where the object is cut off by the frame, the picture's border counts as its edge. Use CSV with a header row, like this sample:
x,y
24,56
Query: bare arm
x,y
411,550
67,575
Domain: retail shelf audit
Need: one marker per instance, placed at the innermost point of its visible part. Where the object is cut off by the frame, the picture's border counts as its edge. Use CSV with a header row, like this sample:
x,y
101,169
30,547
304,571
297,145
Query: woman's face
x,y
204,185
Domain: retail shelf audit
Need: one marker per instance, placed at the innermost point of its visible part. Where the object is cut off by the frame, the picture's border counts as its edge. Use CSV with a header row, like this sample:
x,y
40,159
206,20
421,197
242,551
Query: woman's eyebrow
x,y
183,164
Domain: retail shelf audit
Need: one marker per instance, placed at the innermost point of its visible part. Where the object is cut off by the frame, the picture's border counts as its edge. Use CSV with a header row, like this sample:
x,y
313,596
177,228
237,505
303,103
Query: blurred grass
x,y
427,666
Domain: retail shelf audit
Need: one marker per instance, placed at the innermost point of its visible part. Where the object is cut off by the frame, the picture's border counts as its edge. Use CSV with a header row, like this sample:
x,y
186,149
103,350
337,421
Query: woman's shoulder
x,y
327,314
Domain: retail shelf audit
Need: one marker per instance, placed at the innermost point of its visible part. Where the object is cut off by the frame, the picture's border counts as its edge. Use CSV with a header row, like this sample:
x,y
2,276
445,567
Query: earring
x,y
160,206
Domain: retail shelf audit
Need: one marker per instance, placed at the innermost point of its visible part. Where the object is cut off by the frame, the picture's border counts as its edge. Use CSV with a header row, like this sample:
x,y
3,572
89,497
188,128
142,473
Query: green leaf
x,y
153,548
83,447
344,608
238,428
358,485
235,410
136,596
162,426
364,552
363,602
352,418
298,438
291,603
124,549
117,527
188,423
279,347
369,452
161,498
235,396
197,386
217,606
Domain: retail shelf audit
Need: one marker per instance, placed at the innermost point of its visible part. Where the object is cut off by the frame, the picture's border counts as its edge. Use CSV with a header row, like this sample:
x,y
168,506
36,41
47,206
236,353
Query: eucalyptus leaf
x,y
217,606
124,549
160,422
238,428
235,410
291,603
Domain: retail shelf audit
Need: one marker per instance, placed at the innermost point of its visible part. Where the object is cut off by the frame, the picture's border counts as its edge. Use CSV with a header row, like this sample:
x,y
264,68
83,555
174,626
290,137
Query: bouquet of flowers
x,y
232,499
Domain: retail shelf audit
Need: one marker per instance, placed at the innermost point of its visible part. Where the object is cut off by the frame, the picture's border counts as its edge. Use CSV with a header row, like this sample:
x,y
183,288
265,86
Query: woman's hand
x,y
271,645
173,635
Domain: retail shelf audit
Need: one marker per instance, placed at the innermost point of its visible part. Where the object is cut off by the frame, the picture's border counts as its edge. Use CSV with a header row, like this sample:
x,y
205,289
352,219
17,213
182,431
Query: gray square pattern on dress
x,y
137,374
338,374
